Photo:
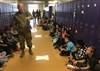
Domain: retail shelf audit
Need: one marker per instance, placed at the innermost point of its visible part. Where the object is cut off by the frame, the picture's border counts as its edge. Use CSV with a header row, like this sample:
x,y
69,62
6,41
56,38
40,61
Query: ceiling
x,y
40,1
34,1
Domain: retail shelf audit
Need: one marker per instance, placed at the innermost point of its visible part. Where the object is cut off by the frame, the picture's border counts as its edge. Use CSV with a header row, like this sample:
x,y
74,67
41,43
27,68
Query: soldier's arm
x,y
29,16
14,24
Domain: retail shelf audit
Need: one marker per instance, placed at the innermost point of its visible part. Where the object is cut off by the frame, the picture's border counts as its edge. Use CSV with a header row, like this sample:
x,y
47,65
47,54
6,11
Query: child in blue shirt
x,y
69,47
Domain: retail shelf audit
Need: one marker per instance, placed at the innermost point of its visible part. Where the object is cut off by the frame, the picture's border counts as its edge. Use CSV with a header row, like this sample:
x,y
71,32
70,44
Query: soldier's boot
x,y
22,54
30,52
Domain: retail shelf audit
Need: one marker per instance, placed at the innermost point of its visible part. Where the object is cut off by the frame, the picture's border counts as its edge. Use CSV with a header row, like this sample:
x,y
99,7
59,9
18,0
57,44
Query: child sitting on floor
x,y
77,57
69,47
91,61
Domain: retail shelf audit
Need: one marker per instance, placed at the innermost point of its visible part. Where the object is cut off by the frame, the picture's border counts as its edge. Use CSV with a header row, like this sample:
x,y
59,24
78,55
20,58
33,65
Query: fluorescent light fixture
x,y
51,4
53,1
44,57
38,36
26,1
33,46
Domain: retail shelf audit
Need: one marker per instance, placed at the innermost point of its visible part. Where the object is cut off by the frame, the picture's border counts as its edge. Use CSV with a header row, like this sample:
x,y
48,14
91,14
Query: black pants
x,y
4,48
83,70
97,67
61,41
64,53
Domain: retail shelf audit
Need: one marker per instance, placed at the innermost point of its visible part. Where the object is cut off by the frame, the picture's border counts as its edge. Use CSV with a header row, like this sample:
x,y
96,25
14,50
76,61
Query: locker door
x,y
56,14
89,12
75,17
97,29
85,19
74,12
83,11
1,25
94,20
63,13
97,44
67,14
78,11
0,10
83,25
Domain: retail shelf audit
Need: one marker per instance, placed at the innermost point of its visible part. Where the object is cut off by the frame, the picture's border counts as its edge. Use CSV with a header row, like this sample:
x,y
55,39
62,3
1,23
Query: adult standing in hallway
x,y
34,20
43,14
22,25
37,15
33,13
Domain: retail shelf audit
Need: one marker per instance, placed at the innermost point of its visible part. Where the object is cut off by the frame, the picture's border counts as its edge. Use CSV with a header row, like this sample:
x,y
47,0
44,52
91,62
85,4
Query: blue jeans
x,y
3,60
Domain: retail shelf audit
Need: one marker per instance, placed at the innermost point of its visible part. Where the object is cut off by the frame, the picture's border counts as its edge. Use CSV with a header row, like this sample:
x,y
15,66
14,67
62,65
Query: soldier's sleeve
x,y
14,24
29,15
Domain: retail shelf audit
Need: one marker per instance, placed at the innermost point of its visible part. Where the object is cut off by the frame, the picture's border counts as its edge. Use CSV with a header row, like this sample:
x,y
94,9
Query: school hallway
x,y
45,57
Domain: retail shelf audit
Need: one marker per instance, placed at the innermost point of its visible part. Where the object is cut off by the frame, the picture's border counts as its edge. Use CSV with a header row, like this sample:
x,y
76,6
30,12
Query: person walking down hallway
x,y
33,13
22,25
37,15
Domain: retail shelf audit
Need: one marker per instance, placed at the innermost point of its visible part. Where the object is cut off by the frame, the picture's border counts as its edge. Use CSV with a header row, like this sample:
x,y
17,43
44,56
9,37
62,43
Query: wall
x,y
9,1
41,7
41,4
6,15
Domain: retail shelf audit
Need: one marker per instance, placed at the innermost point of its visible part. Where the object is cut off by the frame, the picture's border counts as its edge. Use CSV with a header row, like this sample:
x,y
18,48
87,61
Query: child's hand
x,y
99,61
75,62
27,18
4,57
75,49
61,49
75,68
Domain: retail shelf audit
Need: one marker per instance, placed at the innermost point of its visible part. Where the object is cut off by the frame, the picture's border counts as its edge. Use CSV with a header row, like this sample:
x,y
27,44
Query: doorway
x,y
33,22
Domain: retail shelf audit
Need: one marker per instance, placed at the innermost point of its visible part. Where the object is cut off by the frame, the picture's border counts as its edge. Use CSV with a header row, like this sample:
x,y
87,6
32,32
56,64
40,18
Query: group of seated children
x,y
8,44
46,23
81,58
84,62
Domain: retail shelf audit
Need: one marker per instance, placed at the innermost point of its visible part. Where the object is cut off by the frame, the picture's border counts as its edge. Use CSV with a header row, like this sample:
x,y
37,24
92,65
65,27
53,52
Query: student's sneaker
x,y
5,64
30,52
69,66
22,54
10,55
1,69
56,47
54,44
59,49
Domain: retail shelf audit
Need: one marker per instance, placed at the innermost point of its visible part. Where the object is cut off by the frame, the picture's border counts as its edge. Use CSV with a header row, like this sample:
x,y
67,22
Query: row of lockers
x,y
5,8
48,14
77,5
85,9
81,16
7,12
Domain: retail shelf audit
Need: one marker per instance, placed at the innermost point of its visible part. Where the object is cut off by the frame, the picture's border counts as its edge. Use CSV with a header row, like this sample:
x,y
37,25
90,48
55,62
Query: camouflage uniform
x,y
23,27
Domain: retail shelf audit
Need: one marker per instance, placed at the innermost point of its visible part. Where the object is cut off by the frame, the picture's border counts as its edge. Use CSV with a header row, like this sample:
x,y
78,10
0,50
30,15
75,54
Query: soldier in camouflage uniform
x,y
21,24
